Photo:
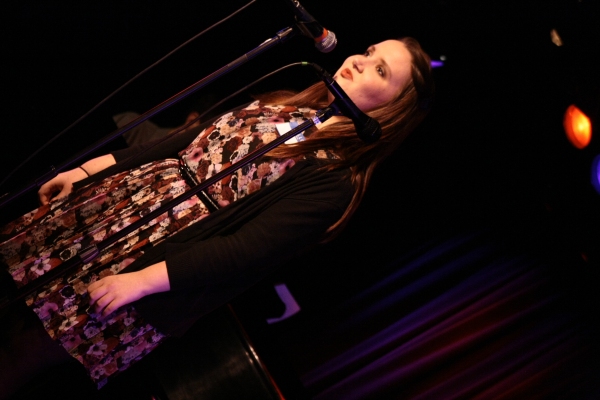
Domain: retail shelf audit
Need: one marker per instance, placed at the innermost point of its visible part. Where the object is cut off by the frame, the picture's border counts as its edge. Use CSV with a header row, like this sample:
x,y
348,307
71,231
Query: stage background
x,y
491,161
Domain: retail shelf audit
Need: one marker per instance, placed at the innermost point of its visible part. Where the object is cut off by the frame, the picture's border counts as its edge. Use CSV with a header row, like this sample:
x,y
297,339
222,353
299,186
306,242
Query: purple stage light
x,y
595,176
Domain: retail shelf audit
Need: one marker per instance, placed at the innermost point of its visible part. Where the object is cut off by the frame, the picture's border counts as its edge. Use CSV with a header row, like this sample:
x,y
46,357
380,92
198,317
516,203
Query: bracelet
x,y
83,169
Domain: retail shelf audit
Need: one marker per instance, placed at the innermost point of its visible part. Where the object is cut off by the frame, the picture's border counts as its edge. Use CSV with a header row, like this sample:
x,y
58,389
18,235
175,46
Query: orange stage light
x,y
577,127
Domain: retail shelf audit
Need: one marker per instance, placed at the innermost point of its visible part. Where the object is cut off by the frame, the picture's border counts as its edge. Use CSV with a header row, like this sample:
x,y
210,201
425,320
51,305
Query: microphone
x,y
325,40
367,128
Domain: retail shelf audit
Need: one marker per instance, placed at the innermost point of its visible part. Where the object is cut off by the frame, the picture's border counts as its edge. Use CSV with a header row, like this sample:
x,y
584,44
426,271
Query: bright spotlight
x,y
577,127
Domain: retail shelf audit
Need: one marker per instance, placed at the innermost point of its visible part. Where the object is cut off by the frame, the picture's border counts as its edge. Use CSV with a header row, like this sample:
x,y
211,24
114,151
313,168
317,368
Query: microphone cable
x,y
94,108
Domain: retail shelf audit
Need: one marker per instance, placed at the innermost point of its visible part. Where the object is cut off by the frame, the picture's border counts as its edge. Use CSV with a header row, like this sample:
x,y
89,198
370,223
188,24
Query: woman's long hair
x,y
397,119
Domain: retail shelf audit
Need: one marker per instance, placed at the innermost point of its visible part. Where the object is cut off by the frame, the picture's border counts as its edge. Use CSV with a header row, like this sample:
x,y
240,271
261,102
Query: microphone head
x,y
369,131
326,44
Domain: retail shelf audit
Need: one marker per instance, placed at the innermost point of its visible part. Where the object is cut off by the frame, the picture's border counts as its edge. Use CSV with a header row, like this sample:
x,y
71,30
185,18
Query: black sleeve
x,y
159,149
135,156
165,148
277,234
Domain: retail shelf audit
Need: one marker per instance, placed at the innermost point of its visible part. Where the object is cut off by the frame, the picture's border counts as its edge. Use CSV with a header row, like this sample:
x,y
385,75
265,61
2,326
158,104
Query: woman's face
x,y
377,76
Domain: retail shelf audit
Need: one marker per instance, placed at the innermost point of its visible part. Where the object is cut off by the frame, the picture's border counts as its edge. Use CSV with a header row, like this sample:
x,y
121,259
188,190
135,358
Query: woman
x,y
150,287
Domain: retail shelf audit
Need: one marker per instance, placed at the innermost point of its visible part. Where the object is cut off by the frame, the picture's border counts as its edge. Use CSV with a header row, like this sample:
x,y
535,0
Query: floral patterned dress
x,y
41,240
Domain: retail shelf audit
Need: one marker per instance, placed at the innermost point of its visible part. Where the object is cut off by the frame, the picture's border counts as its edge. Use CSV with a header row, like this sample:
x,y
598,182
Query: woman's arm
x,y
62,184
114,291
97,164
265,230
271,237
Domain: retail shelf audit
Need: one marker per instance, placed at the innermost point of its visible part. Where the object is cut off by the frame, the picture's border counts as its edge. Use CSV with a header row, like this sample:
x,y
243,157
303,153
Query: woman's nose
x,y
358,64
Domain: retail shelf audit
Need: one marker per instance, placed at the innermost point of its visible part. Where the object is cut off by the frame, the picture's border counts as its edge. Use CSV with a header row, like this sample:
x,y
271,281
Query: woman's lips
x,y
346,73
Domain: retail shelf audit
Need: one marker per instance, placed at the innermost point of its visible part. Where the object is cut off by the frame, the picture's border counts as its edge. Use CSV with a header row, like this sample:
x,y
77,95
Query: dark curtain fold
x,y
465,318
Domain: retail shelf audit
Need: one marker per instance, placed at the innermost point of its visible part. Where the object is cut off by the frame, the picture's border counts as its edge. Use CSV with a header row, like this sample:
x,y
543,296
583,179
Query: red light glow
x,y
577,127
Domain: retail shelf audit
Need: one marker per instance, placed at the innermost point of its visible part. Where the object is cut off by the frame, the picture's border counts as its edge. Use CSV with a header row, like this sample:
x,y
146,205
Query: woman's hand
x,y
115,291
60,186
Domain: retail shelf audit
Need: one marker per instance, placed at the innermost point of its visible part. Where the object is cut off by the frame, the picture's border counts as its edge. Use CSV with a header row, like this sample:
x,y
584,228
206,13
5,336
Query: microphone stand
x,y
89,253
281,36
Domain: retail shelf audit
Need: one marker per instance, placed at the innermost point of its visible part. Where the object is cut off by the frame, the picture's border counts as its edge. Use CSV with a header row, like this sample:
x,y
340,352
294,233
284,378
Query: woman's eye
x,y
380,71
367,53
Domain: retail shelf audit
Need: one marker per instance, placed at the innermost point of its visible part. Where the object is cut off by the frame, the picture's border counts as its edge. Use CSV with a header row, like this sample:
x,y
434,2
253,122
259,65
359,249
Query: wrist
x,y
154,279
78,174
84,170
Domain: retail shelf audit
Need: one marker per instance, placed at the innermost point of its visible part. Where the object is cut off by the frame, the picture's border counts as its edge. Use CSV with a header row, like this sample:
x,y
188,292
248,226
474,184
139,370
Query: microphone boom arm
x,y
281,36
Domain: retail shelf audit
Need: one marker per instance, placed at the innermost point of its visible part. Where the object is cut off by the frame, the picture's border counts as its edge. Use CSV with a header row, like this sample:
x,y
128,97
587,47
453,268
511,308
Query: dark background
x,y
492,150
492,155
